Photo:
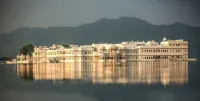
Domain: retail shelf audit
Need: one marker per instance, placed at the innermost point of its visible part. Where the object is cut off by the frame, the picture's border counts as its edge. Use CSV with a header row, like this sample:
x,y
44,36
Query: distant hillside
x,y
6,58
103,30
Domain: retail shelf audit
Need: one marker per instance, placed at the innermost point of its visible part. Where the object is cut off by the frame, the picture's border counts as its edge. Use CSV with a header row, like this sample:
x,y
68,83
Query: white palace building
x,y
122,52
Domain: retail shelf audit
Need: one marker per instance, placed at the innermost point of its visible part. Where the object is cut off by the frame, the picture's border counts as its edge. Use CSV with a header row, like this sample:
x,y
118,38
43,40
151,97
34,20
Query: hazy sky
x,y
45,13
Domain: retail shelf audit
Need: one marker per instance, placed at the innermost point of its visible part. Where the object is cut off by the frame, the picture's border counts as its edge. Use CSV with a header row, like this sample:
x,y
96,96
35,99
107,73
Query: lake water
x,y
130,81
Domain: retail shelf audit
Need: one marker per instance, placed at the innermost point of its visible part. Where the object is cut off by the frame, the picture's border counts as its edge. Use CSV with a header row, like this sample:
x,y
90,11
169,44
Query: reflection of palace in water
x,y
148,72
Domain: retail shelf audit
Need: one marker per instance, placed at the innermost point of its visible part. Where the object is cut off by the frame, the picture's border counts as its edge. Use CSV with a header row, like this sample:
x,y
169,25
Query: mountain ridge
x,y
103,30
100,20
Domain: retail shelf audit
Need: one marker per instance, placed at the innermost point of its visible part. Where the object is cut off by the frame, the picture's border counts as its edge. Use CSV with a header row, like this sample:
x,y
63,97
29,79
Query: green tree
x,y
27,50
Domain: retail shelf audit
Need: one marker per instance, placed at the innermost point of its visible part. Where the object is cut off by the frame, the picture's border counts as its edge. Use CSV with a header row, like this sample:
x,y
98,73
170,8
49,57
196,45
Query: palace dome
x,y
164,39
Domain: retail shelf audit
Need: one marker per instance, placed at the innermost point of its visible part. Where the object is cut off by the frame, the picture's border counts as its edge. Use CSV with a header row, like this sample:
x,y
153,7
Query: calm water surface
x,y
134,81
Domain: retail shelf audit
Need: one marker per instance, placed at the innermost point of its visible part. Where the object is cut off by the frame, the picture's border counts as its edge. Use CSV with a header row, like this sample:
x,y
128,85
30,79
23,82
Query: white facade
x,y
125,51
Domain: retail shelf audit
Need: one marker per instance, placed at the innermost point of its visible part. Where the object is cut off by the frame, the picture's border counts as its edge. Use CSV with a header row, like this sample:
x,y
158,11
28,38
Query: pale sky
x,y
47,13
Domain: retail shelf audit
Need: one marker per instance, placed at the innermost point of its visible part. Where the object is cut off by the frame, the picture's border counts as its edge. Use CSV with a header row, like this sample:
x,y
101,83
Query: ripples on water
x,y
111,81
165,72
